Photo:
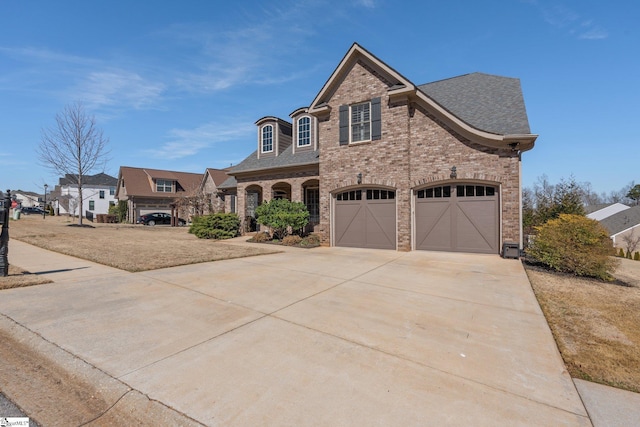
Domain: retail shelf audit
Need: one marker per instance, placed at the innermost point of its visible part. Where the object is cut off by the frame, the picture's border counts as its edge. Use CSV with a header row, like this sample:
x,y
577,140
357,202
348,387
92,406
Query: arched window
x,y
304,132
267,139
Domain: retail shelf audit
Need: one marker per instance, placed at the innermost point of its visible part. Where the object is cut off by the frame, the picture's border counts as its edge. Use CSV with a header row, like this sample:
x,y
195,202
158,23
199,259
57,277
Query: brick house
x,y
383,163
154,190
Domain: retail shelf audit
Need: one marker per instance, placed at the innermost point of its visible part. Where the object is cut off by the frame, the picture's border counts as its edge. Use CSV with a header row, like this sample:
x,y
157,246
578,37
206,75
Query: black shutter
x,y
376,119
344,125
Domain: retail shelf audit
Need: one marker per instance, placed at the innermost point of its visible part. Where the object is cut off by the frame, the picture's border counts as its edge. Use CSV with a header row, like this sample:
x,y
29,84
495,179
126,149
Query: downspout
x,y
521,243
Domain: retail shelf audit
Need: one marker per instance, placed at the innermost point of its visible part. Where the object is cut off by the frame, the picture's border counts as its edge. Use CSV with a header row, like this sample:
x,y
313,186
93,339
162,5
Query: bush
x,y
119,210
636,256
215,226
621,253
311,240
574,244
282,215
292,240
261,237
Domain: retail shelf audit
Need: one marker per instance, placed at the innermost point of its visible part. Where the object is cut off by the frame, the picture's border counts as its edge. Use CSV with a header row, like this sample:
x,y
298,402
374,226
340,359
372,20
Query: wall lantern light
x,y
360,178
454,173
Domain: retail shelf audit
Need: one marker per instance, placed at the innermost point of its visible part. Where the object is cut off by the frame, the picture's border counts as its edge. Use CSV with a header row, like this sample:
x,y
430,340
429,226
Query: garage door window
x,y
435,192
475,191
380,195
350,195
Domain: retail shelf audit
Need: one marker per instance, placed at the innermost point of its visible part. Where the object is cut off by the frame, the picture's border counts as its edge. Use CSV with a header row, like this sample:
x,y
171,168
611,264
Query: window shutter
x,y
376,119
344,125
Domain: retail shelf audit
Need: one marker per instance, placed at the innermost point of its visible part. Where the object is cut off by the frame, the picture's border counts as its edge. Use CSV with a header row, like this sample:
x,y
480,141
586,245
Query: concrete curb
x,y
56,388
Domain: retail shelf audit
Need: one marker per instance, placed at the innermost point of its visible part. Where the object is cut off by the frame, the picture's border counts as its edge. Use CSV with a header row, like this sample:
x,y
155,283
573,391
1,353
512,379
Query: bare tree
x,y
74,147
631,241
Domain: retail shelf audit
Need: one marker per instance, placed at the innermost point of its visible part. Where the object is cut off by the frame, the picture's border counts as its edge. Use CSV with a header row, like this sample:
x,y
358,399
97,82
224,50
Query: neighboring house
x,y
625,223
153,190
211,182
602,211
98,193
383,163
28,199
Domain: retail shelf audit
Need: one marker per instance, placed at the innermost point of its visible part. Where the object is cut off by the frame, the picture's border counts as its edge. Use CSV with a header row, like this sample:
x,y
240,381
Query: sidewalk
x,y
280,339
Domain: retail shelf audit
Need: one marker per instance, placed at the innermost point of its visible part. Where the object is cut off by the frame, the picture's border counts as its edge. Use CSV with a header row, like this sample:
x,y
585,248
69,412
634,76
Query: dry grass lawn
x,y
596,325
127,247
18,278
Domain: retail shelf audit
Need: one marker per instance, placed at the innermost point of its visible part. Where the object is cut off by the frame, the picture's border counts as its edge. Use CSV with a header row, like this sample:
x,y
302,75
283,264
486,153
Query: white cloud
x,y
189,142
569,20
118,89
256,50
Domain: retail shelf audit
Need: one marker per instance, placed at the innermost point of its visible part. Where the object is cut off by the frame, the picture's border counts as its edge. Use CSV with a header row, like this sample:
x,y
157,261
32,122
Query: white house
x,y
98,193
27,198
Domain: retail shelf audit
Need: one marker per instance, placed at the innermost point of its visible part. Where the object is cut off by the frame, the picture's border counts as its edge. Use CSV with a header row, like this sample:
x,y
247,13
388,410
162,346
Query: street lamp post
x,y
44,210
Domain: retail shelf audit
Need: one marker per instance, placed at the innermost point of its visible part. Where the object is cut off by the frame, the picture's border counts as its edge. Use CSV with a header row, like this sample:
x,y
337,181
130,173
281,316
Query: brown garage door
x,y
459,218
365,219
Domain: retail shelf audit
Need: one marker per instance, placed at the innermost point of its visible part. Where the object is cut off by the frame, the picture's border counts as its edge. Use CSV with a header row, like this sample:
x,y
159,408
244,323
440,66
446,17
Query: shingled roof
x,y
97,179
622,221
487,102
286,159
139,181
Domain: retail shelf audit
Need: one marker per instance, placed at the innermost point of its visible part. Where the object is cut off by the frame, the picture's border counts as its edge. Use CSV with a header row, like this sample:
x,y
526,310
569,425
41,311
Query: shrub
x,y
282,215
621,253
215,226
291,240
119,210
628,254
312,240
574,244
636,256
261,237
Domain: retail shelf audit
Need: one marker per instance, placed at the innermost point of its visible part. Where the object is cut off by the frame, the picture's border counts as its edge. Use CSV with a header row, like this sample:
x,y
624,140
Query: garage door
x,y
365,219
458,218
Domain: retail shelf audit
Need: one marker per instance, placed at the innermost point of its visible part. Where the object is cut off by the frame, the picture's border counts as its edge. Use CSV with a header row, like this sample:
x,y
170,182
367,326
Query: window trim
x,y
262,138
307,131
345,122
164,186
363,125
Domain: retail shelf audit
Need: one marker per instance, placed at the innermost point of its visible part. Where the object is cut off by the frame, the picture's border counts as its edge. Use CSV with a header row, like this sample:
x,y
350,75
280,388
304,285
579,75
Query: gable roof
x,y
464,103
88,180
487,102
140,181
217,175
398,83
621,221
286,159
595,208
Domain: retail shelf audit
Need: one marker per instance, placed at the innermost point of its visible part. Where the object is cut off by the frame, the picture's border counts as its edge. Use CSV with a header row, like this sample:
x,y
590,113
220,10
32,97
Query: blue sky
x,y
179,85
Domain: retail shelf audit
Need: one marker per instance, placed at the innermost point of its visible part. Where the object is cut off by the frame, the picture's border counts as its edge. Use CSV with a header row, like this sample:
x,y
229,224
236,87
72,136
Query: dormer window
x,y
267,139
304,132
164,186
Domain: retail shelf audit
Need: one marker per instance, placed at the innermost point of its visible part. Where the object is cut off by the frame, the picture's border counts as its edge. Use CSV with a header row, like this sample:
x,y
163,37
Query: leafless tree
x,y
194,202
74,147
631,240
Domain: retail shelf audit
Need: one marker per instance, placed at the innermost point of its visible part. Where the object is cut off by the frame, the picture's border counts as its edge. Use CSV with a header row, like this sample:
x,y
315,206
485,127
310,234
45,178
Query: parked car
x,y
32,211
158,218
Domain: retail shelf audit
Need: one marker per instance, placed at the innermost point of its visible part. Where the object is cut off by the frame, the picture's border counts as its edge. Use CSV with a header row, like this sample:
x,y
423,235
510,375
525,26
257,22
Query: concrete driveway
x,y
329,336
